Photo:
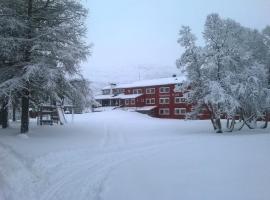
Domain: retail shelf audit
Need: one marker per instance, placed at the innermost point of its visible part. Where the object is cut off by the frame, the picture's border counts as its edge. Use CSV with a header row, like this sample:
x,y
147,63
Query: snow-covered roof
x,y
145,108
152,82
108,96
129,96
119,96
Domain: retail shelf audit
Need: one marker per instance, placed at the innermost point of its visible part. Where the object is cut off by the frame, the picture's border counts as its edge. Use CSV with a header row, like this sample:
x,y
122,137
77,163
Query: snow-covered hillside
x,y
118,155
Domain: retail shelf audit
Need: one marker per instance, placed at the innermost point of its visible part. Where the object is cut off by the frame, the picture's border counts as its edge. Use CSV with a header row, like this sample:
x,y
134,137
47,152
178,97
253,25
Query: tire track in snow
x,y
88,173
113,138
14,171
88,177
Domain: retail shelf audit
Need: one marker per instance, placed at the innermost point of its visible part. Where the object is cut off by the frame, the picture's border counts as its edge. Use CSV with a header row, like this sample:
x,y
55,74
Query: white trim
x,y
137,91
180,111
163,100
178,100
132,101
119,96
164,90
150,90
150,101
164,111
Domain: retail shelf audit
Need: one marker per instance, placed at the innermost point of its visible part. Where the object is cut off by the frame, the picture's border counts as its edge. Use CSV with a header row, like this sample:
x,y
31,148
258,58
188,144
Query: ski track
x,y
14,169
89,176
56,175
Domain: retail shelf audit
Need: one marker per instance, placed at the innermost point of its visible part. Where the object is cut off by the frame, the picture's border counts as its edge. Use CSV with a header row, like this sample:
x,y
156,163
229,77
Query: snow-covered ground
x,y
118,155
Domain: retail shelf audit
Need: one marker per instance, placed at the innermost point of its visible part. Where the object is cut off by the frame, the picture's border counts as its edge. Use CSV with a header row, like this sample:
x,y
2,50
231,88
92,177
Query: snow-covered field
x,y
118,155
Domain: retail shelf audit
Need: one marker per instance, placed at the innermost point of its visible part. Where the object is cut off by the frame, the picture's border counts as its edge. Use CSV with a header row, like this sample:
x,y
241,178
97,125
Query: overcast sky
x,y
138,38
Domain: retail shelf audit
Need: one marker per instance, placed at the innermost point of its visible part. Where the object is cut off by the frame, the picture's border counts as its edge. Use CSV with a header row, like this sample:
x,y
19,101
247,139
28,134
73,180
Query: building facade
x,y
158,98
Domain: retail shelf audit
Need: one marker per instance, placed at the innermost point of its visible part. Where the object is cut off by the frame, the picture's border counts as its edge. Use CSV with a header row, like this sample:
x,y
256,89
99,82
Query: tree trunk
x,y
218,125
266,120
251,121
4,114
230,124
5,117
13,112
213,123
25,113
1,116
25,97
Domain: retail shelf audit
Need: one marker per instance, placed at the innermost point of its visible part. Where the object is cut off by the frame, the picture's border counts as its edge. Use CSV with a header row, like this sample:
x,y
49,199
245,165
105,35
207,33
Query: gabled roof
x,y
152,82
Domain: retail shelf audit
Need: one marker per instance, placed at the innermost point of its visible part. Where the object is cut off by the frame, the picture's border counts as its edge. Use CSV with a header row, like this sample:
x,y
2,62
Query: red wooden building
x,y
158,98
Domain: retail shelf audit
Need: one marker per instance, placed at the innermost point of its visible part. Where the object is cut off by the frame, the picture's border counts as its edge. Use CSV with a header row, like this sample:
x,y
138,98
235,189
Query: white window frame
x,y
161,111
132,101
137,91
150,90
178,100
126,101
164,90
150,101
179,111
162,100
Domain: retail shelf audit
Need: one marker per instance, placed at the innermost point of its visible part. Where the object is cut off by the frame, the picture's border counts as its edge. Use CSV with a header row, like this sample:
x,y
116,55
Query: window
x,y
164,111
187,94
106,92
180,100
150,101
132,101
122,90
180,111
164,100
127,101
164,90
116,91
150,90
137,91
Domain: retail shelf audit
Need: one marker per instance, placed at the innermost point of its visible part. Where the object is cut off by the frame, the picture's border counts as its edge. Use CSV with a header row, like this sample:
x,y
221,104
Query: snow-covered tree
x,y
190,63
81,95
228,74
48,49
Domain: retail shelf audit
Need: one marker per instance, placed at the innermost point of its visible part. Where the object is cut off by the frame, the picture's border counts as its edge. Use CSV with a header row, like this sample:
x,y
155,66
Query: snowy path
x,y
12,170
119,155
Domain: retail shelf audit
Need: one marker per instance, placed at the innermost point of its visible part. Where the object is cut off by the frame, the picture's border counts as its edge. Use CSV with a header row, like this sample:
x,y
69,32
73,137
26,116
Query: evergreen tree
x,y
48,48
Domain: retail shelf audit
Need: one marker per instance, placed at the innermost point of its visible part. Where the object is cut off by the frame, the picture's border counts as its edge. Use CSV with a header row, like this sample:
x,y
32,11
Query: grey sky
x,y
132,36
